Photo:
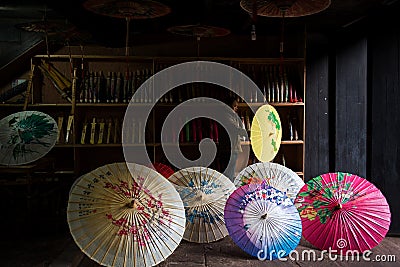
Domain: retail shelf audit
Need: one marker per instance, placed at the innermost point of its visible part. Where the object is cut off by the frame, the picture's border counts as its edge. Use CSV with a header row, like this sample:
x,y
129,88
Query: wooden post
x,y
29,88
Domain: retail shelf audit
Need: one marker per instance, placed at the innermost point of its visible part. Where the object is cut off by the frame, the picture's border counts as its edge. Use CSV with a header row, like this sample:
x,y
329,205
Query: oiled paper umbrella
x,y
125,214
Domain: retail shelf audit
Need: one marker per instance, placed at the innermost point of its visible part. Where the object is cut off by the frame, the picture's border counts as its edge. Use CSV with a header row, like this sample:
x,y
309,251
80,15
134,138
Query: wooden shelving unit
x,y
79,155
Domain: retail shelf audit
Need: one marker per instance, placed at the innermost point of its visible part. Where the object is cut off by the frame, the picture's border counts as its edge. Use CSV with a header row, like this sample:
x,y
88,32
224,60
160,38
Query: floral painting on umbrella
x,y
26,136
343,211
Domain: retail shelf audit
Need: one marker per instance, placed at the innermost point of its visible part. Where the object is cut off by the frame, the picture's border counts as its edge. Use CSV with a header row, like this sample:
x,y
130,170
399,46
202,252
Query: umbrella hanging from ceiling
x,y
283,9
128,10
287,8
199,31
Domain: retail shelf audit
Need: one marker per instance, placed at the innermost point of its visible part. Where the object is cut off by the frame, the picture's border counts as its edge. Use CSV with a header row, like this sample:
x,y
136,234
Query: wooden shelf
x,y
294,142
255,68
286,104
283,142
6,105
112,145
275,104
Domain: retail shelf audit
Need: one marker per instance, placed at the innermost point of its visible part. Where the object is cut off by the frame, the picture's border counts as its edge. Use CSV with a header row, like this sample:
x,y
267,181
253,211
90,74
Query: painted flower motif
x,y
309,213
250,180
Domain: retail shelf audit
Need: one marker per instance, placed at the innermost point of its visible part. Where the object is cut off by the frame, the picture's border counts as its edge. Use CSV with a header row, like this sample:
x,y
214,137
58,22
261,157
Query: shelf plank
x,y
293,142
64,146
110,145
122,58
275,104
283,142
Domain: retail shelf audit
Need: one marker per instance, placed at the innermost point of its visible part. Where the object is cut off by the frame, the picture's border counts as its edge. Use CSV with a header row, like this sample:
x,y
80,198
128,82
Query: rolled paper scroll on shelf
x,y
93,131
109,126
101,131
69,127
59,125
83,135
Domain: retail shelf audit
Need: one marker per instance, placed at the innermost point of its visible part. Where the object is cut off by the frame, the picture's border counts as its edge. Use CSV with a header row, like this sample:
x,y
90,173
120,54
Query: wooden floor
x,y
226,253
40,237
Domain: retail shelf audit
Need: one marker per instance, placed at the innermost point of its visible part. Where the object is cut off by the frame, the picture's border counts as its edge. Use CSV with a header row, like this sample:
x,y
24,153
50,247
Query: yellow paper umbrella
x,y
266,133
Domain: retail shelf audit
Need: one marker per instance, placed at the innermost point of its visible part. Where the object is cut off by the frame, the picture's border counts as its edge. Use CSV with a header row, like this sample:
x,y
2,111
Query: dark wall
x,y
384,148
351,107
317,108
359,73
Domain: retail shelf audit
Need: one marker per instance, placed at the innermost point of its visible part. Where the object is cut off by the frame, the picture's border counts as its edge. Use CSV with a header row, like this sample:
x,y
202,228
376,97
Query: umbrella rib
x,y
350,225
218,212
366,227
140,238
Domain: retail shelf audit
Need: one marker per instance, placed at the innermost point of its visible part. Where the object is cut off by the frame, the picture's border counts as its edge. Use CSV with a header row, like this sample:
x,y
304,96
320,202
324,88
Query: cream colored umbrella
x,y
125,214
274,174
204,192
266,133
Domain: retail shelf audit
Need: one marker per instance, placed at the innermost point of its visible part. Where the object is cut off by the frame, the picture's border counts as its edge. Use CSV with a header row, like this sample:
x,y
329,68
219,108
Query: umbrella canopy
x,y
274,174
125,214
26,136
266,133
45,26
204,192
123,9
288,8
262,221
343,211
199,30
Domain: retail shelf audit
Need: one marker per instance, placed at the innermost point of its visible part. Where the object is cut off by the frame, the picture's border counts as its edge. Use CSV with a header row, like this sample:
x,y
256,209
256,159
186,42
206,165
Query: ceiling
x,y
228,14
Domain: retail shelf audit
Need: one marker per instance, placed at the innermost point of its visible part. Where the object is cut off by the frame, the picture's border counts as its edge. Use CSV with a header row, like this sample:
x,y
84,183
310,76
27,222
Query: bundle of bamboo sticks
x,y
60,82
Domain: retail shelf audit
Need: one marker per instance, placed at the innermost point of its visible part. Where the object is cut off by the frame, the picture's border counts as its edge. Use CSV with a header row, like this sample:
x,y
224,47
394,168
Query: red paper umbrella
x,y
163,169
290,8
139,9
342,211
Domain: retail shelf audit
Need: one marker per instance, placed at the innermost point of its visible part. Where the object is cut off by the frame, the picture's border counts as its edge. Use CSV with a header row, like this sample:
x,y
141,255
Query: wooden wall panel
x,y
384,146
351,107
317,113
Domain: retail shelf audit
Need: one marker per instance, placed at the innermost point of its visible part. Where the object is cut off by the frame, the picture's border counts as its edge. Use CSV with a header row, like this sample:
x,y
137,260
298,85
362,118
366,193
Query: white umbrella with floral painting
x,y
125,214
204,192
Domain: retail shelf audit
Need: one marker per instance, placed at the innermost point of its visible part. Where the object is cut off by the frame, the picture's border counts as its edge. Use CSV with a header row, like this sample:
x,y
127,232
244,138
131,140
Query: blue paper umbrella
x,y
262,221
204,192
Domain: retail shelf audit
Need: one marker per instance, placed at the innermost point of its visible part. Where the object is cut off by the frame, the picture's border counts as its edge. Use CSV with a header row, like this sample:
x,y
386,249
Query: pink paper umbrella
x,y
341,212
